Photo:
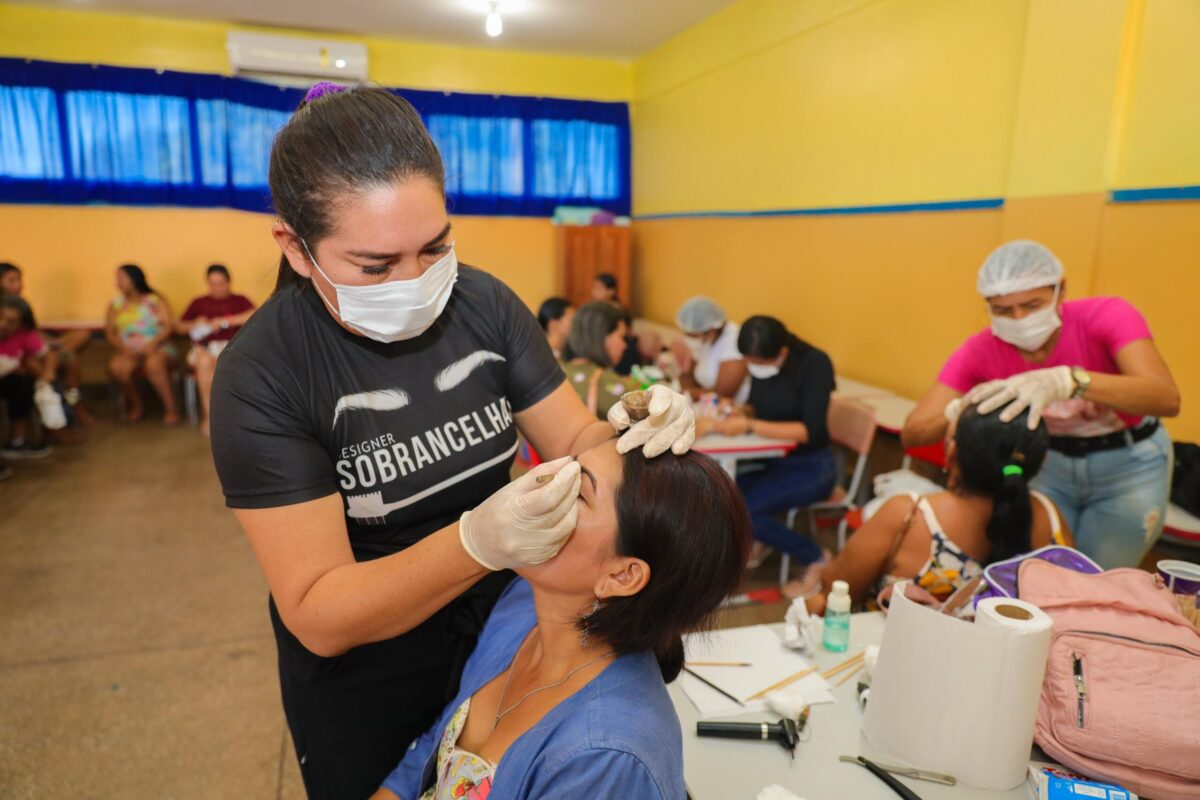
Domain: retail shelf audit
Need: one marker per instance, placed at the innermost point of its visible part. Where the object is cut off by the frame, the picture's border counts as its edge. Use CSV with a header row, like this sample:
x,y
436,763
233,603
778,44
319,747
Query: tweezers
x,y
909,772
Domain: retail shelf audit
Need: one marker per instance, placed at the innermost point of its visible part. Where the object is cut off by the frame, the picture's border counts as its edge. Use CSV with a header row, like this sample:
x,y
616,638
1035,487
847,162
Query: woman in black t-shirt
x,y
791,382
363,425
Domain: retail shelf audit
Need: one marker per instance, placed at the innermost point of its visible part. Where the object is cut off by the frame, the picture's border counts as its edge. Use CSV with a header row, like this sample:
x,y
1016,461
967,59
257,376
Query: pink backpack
x,y
1121,697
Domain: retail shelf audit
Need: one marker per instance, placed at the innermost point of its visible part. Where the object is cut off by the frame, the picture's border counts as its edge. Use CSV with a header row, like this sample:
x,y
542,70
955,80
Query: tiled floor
x,y
136,659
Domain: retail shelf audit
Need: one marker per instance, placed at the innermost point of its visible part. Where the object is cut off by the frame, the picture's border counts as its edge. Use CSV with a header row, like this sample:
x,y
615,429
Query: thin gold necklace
x,y
500,703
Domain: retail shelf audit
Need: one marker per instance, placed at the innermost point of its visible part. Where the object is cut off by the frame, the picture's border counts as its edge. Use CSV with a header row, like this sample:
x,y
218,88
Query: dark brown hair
x,y
344,142
683,516
988,451
592,323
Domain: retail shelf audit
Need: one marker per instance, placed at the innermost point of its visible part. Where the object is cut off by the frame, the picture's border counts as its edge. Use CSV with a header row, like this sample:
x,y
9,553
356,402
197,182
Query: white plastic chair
x,y
851,428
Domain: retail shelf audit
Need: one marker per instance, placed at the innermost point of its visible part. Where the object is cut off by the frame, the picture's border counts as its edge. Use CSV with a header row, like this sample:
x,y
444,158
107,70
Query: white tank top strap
x,y
931,520
1051,512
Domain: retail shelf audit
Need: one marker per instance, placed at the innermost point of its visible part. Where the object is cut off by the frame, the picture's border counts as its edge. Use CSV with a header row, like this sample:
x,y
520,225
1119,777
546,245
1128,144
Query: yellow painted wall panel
x,y
1161,142
736,31
196,46
900,101
888,296
1067,224
68,254
1064,107
1148,255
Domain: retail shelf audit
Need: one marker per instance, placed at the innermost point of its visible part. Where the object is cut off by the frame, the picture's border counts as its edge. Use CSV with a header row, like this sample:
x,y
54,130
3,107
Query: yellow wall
x,y
801,104
195,46
69,253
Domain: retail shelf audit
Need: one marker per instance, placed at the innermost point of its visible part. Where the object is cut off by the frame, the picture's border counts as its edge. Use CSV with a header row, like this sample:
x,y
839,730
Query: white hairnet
x,y
699,315
1018,266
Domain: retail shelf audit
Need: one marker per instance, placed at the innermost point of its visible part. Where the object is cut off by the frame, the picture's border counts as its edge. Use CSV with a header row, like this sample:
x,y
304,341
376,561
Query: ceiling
x,y
610,28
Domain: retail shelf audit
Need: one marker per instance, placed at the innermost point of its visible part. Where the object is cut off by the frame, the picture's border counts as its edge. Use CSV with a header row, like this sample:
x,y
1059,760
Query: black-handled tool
x,y
786,732
895,785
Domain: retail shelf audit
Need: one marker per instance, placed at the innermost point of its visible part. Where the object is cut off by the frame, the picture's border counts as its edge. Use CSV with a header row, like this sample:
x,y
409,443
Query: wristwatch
x,y
1083,381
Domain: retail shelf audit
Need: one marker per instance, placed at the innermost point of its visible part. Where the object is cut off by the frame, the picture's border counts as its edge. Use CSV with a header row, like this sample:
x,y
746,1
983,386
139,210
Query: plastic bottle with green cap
x,y
836,637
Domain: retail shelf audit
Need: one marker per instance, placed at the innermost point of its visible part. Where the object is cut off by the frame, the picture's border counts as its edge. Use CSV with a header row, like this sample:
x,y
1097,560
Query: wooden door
x,y
588,250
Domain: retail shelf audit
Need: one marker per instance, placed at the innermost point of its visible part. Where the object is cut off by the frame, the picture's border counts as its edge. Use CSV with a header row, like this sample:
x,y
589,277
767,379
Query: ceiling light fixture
x,y
494,25
340,63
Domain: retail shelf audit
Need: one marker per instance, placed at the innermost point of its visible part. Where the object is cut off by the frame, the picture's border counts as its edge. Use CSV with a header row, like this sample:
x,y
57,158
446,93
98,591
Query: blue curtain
x,y
73,133
576,160
483,155
115,137
29,137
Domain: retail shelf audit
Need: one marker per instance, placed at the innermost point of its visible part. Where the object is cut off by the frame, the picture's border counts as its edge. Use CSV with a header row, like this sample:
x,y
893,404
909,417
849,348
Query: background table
x,y
725,769
729,450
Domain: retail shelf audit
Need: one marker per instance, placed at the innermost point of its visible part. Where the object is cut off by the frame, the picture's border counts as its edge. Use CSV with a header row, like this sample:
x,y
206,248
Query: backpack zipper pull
x,y
1080,688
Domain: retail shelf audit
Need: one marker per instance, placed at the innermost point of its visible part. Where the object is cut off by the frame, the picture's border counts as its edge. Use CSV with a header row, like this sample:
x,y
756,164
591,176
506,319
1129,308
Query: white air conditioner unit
x,y
263,54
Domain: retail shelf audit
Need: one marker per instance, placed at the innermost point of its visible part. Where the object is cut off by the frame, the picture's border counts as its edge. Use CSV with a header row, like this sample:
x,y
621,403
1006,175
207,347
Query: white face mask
x,y
395,310
1031,331
762,371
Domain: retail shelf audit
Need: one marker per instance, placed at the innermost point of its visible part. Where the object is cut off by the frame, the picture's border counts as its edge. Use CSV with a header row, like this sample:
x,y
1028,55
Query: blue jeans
x,y
1114,500
796,480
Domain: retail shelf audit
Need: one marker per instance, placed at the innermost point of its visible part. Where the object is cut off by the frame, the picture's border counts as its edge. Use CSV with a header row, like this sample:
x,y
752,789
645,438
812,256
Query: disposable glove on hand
x,y
525,523
671,424
1033,390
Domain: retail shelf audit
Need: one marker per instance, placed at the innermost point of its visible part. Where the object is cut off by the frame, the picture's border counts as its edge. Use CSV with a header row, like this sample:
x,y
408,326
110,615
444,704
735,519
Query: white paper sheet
x,y
961,698
771,663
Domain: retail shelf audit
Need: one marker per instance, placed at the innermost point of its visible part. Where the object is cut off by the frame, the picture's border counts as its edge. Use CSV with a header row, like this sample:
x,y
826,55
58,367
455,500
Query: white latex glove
x,y
524,523
953,409
671,424
1033,390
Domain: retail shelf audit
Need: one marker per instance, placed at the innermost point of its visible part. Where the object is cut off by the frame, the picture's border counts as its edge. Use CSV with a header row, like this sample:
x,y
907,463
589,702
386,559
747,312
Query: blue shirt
x,y
618,736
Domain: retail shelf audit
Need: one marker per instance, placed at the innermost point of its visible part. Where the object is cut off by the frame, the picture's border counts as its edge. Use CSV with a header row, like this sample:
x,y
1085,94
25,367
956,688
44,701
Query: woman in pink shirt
x,y
1090,368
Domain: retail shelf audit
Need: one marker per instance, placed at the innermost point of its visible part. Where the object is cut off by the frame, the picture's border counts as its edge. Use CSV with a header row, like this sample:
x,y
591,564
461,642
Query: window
x,y
129,138
575,159
77,133
29,138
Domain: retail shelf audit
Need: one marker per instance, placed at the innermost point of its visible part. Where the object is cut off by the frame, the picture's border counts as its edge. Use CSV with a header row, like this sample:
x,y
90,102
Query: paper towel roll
x,y
956,697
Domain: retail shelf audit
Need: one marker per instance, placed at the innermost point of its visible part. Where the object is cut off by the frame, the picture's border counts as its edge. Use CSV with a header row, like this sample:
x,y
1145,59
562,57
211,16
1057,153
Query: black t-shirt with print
x,y
410,433
800,392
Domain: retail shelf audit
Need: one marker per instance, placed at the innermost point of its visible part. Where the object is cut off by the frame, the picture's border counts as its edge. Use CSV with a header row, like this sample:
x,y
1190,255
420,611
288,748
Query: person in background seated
x,y
791,382
710,359
988,513
604,288
638,351
555,317
138,325
211,321
565,694
594,345
23,365
65,346
1092,367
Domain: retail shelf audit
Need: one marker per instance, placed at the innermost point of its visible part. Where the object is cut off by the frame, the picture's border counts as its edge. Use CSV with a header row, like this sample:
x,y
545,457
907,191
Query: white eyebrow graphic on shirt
x,y
381,400
458,372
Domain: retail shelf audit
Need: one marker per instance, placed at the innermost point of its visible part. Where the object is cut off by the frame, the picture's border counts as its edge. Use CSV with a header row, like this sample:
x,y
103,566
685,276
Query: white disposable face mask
x,y
395,310
762,371
1031,331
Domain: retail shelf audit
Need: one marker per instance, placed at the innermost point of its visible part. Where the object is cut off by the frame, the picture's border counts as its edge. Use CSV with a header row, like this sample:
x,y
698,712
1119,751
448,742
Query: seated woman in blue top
x,y
565,693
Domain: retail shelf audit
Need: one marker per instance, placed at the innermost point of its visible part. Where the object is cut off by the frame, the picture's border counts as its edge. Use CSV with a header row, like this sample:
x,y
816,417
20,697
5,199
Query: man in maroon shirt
x,y
211,321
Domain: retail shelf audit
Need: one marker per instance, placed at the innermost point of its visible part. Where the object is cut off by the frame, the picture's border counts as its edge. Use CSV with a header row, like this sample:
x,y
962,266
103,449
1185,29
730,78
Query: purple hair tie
x,y
321,89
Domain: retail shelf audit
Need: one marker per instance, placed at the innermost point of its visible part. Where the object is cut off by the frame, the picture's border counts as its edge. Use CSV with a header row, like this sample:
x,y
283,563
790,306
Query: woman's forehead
x,y
603,462
401,217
